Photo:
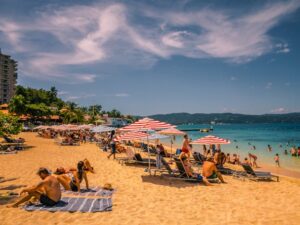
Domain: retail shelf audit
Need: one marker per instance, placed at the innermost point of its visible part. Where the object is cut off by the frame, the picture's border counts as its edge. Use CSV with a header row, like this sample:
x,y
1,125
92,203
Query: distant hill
x,y
202,118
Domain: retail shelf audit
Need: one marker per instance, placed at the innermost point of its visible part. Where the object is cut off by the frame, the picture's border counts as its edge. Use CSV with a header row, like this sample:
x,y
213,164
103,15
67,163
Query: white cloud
x,y
287,84
106,33
269,85
81,96
232,78
279,110
122,95
282,48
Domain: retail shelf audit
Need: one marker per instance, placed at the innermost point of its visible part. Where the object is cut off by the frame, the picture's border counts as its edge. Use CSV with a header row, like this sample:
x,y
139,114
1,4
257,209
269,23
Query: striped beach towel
x,y
96,191
67,204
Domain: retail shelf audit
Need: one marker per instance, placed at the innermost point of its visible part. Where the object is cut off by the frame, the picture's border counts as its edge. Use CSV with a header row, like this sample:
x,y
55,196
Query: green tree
x,y
9,125
17,105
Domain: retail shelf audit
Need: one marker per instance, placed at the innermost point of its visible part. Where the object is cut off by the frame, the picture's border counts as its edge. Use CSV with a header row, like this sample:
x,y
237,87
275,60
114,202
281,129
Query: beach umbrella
x,y
173,132
210,140
146,124
135,135
102,129
156,136
85,127
41,127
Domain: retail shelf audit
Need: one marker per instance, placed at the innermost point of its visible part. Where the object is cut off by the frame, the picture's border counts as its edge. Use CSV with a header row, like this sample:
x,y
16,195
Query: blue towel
x,y
75,205
96,191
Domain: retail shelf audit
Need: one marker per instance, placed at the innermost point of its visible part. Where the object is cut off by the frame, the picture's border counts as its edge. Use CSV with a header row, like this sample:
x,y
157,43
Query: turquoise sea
x,y
244,136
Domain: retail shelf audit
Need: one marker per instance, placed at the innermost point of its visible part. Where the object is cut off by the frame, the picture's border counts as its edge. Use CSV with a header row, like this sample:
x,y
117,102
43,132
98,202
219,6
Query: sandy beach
x,y
144,199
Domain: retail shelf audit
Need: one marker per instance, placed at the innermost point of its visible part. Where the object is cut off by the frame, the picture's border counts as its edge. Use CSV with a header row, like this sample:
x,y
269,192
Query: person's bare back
x,y
52,188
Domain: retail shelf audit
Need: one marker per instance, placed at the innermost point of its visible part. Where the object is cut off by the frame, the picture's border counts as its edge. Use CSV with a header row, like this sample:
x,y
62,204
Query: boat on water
x,y
207,130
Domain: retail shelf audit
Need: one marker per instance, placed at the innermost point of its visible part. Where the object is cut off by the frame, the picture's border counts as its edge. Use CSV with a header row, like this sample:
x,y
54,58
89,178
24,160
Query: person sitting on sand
x,y
228,160
209,171
47,191
73,182
235,159
246,162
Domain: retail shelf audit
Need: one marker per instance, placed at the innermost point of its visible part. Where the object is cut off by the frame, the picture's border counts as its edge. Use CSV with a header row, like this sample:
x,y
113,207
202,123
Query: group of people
x,y
209,167
48,191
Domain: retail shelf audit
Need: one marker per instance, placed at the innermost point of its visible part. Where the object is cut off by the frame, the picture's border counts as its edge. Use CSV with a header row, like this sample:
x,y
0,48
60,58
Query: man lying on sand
x,y
209,171
47,191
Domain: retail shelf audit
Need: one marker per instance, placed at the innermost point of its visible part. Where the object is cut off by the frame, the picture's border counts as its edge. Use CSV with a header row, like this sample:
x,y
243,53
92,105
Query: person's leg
x,y
26,198
206,182
219,175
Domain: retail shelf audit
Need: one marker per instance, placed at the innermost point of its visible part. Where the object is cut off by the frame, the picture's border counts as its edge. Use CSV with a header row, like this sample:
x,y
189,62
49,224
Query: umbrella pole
x,y
149,162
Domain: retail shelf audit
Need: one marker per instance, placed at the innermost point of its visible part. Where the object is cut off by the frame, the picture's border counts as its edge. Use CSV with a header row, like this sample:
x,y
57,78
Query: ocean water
x,y
244,136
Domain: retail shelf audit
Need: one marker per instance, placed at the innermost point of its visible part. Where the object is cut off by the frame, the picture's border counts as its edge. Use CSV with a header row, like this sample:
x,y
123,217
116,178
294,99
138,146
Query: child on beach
x,y
276,158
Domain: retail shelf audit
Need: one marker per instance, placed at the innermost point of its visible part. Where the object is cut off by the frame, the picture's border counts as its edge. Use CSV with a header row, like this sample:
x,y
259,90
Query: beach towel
x,y
96,191
7,153
67,204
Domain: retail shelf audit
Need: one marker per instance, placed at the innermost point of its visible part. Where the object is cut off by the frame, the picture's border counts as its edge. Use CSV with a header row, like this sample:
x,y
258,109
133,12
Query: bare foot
x,y
12,206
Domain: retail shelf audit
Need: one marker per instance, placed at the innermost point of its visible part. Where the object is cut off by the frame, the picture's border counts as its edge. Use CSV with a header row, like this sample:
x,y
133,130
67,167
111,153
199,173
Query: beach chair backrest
x,y
197,157
180,166
248,169
138,157
166,165
129,153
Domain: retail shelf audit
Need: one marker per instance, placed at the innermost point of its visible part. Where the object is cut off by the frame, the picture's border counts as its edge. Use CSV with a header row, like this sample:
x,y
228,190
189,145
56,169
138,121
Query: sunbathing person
x,y
87,167
209,171
47,192
189,170
73,182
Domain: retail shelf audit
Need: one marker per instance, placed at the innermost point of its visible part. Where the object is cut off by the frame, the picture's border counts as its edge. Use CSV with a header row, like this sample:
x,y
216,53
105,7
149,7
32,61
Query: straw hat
x,y
108,186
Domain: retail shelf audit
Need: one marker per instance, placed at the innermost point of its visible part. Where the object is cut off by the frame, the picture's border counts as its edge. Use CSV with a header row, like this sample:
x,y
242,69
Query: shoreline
x,y
281,171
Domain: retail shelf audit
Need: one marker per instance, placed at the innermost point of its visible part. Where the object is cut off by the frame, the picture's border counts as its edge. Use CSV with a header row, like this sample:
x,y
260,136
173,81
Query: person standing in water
x,y
276,158
269,148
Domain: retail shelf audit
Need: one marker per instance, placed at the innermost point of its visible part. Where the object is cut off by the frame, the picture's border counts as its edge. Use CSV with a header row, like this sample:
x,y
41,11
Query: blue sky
x,y
148,57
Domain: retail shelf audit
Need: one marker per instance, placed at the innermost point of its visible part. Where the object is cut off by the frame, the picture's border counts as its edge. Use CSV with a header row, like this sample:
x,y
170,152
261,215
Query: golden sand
x,y
143,199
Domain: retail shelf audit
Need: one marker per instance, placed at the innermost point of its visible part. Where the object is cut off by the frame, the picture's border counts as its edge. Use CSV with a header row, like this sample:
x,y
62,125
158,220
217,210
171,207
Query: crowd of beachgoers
x,y
210,164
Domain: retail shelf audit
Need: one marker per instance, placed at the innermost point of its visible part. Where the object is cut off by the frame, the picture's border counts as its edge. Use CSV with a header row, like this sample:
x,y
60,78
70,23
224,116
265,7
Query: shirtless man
x,y
210,170
186,146
47,191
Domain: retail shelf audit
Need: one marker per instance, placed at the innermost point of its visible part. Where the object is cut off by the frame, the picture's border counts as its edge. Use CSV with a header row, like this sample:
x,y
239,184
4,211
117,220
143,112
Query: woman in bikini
x,y
87,168
73,181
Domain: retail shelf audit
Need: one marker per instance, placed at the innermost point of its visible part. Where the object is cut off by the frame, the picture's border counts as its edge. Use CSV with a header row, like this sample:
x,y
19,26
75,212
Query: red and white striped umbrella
x,y
172,131
131,136
209,140
146,124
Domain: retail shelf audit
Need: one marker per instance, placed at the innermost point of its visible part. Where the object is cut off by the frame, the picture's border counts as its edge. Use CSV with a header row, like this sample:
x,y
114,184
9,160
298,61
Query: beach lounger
x,y
68,204
11,140
258,175
198,158
183,173
167,170
8,152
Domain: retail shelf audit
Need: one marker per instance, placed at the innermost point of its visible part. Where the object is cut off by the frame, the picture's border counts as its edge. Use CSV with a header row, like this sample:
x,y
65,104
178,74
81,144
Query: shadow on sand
x,y
176,183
